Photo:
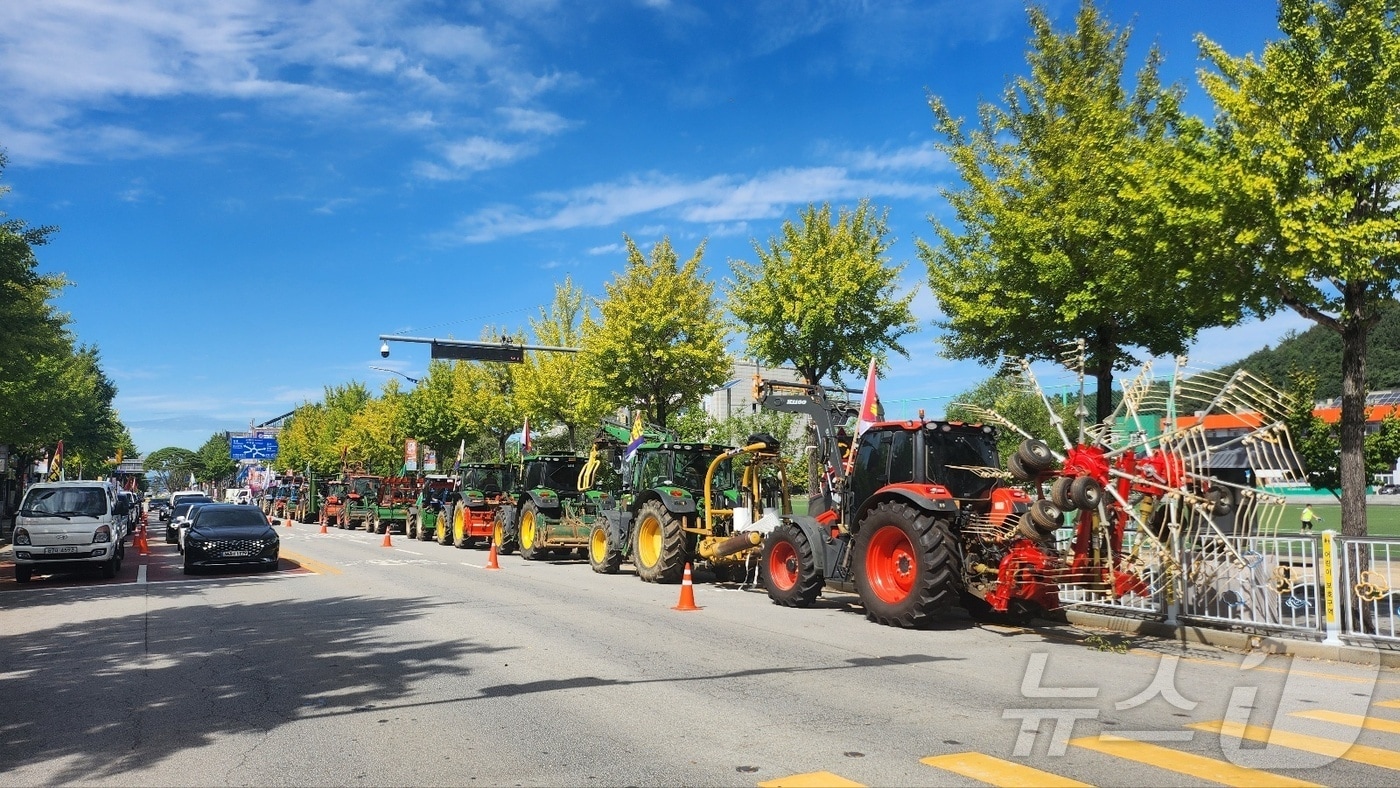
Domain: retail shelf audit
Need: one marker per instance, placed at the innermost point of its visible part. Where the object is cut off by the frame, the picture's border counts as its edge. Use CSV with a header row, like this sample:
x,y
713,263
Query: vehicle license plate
x,y
60,549
235,554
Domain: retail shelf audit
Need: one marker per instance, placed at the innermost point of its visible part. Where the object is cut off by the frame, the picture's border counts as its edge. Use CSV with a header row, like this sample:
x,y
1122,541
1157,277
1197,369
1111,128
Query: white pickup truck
x,y
68,525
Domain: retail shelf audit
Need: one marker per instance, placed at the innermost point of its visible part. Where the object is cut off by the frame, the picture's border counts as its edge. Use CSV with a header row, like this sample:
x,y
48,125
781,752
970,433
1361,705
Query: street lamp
x,y
396,372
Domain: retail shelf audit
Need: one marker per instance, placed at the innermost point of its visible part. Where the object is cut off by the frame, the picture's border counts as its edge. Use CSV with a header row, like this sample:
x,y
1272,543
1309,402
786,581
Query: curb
x,y
1238,641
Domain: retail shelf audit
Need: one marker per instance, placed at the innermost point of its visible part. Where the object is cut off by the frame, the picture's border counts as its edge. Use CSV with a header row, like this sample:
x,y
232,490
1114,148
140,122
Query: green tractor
x,y
389,512
553,513
361,495
679,504
468,516
309,495
427,506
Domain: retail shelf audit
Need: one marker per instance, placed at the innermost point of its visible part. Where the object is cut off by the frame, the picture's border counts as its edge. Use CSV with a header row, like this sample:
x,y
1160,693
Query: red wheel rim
x,y
782,565
890,565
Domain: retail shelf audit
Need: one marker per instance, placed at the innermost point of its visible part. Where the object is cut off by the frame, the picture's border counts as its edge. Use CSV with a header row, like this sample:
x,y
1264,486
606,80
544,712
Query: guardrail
x,y
1366,588
1263,582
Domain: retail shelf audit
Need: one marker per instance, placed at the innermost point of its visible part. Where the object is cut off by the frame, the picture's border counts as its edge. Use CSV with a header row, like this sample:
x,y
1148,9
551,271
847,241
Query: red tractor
x,y
921,521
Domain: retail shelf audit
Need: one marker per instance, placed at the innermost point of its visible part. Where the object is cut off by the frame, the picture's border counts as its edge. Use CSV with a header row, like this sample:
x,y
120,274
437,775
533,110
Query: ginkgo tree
x,y
1309,155
659,345
1078,217
823,296
551,386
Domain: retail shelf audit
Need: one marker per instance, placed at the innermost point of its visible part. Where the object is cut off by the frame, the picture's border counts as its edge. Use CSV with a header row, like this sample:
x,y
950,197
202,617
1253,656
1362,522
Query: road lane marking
x,y
1198,766
141,575
811,780
309,564
1389,704
1352,720
995,771
410,552
1359,753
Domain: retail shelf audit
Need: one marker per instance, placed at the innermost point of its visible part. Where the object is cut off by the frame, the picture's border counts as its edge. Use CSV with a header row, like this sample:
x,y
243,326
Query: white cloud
x,y
722,200
534,121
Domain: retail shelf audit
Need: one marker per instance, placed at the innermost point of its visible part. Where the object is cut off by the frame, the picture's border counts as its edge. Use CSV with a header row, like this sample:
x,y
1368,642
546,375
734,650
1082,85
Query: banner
x,y
429,460
56,463
410,455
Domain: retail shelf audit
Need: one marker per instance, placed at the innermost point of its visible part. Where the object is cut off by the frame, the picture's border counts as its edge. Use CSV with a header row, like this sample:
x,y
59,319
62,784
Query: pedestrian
x,y
1309,517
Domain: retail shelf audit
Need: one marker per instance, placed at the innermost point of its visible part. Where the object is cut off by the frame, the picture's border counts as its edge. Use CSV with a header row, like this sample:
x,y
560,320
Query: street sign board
x,y
252,448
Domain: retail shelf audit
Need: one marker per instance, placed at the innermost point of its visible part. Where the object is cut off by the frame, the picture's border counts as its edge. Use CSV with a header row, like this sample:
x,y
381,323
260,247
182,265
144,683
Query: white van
x,y
67,525
238,495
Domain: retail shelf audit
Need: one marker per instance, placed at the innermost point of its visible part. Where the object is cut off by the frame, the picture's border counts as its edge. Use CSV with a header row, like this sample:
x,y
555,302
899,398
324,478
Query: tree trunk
x,y
1354,328
1102,355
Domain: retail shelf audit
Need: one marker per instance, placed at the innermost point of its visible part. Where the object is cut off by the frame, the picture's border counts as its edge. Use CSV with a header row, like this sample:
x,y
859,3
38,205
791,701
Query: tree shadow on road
x,y
103,697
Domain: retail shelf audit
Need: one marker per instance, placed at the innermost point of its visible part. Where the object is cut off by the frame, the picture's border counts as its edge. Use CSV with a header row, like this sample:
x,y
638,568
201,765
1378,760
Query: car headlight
x,y
21,536
102,534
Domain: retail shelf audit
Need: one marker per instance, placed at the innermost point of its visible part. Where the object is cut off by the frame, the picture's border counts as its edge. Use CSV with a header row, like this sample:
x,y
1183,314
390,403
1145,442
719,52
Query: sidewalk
x,y
1386,655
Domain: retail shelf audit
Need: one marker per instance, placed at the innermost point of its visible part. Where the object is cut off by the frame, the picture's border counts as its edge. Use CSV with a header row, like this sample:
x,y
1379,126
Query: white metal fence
x,y
1366,589
1263,582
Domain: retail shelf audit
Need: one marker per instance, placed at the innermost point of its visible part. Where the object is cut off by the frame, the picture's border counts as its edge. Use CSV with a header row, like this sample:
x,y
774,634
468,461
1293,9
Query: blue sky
x,y
249,192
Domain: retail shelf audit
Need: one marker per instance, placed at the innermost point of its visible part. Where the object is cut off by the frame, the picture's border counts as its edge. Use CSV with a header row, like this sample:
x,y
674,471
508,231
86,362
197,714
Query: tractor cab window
x,y
366,488
490,480
724,474
653,469
954,455
688,470
871,470
561,476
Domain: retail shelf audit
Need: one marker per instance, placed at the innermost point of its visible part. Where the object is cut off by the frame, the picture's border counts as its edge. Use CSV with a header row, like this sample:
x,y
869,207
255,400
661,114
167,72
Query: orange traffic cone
x,y
142,545
387,541
687,592
491,562
323,527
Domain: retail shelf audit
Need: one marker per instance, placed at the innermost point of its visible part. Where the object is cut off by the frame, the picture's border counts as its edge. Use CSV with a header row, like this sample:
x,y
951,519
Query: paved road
x,y
358,664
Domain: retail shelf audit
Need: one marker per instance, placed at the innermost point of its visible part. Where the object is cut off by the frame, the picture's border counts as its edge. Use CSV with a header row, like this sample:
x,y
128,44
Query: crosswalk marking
x,y
995,771
811,780
1186,763
1359,753
1354,720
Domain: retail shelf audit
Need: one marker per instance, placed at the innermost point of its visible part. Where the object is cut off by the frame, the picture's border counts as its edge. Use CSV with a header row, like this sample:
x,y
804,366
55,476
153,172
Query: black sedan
x,y
226,534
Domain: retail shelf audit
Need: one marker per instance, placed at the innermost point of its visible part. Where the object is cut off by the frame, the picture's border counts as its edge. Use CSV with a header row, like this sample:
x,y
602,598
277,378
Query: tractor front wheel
x,y
504,545
659,544
602,556
788,569
906,567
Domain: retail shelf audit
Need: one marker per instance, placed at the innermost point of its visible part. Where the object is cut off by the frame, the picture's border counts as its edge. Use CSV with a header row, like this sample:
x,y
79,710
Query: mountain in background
x,y
1320,350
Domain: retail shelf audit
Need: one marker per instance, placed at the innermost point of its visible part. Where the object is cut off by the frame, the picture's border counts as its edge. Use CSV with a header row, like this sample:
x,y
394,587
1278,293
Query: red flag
x,y
525,445
868,403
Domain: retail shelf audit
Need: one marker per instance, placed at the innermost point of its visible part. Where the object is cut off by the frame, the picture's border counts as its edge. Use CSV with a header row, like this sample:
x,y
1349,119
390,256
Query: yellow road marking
x,y
1187,763
1360,753
1354,720
310,564
811,780
1389,704
995,771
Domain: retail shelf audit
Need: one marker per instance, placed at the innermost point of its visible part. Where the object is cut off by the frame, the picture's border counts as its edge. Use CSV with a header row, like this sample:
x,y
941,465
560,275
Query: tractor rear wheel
x,y
788,569
658,548
530,532
458,524
602,556
906,567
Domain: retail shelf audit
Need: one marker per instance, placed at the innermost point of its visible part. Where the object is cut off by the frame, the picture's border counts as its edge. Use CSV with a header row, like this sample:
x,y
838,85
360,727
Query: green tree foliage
x,y
315,434
1069,221
51,389
429,415
1310,158
659,345
171,466
374,437
212,463
823,296
1383,445
483,396
553,387
1020,406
